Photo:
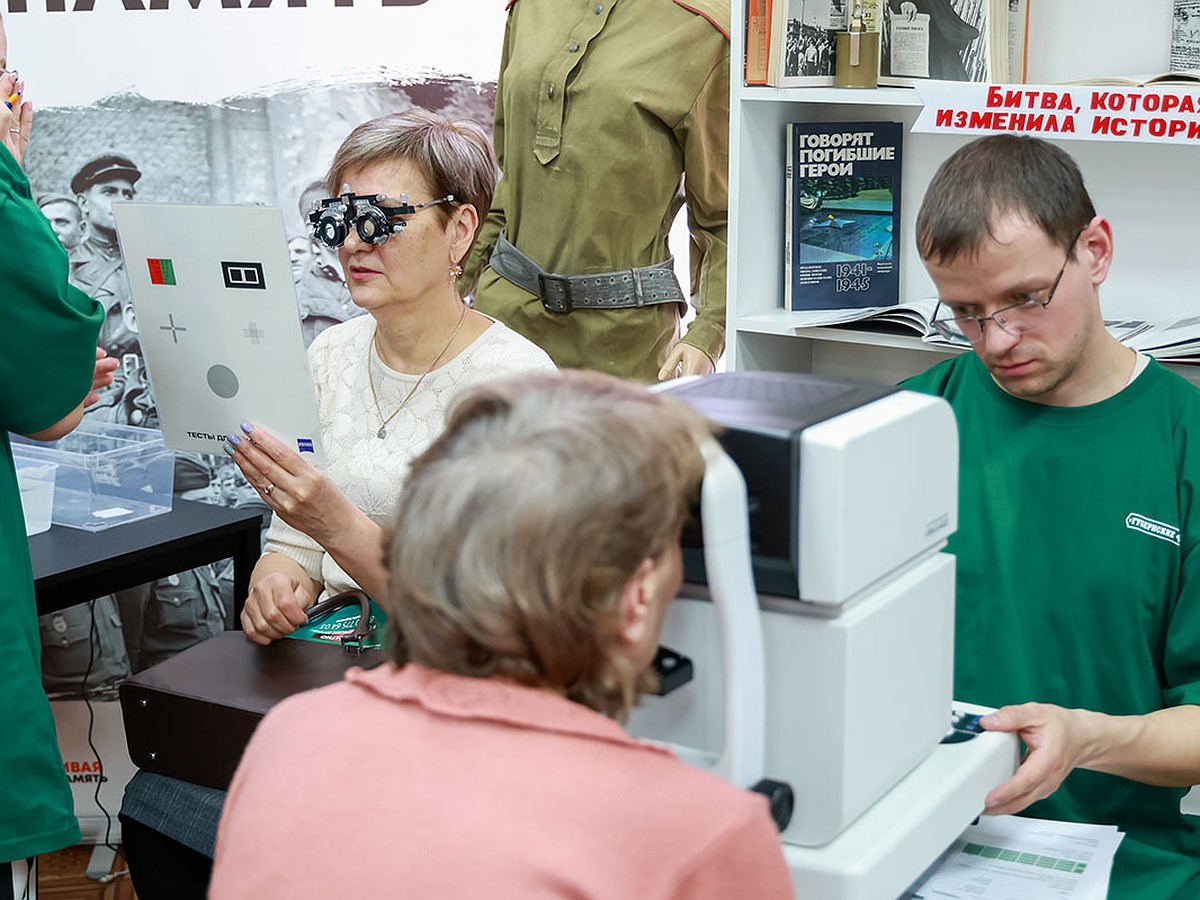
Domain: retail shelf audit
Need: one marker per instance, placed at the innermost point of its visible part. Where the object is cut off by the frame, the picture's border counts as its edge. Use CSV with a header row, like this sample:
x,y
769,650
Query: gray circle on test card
x,y
222,381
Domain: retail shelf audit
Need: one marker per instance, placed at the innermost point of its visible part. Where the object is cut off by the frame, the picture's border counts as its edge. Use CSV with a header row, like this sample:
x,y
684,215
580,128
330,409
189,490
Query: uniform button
x,y
599,8
574,48
550,92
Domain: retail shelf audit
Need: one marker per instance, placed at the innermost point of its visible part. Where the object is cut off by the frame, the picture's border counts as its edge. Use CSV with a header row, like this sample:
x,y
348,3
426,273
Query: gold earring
x,y
455,272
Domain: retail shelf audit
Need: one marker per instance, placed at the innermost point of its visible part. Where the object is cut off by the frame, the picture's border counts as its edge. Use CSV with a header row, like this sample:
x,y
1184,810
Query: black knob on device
x,y
780,798
673,668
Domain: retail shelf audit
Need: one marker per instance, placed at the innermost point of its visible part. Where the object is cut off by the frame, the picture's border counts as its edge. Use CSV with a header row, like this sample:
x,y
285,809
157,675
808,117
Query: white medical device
x,y
850,492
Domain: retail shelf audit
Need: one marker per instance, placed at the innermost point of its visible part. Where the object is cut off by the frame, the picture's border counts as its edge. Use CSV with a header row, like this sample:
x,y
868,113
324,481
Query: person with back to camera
x,y
51,369
1078,546
383,383
535,549
601,110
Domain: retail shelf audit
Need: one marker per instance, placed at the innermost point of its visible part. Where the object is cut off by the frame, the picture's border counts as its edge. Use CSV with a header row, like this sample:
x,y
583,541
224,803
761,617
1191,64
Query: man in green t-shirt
x,y
1078,546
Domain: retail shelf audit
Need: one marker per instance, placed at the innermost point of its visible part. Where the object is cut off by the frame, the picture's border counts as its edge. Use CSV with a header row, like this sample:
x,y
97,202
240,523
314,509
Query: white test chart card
x,y
216,315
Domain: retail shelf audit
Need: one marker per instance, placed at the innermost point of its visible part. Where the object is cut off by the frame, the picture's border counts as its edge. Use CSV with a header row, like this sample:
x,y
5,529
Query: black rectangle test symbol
x,y
243,275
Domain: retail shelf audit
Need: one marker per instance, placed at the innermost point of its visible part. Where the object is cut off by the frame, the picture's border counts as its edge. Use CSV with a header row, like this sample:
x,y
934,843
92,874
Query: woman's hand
x,y
102,375
308,500
280,594
19,118
297,491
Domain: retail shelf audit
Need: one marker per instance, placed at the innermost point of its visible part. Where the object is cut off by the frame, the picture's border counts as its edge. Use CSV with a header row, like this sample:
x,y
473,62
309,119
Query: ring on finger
x,y
267,490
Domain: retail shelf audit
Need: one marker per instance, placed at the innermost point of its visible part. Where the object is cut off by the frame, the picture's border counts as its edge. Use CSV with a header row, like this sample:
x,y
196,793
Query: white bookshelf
x,y
1150,192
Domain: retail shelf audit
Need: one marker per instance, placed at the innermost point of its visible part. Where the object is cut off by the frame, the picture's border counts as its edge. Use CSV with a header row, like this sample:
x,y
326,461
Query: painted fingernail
x,y
227,449
247,427
233,439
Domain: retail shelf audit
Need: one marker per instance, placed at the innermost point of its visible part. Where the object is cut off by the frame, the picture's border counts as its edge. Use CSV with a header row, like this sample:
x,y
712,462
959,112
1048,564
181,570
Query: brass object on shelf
x,y
856,56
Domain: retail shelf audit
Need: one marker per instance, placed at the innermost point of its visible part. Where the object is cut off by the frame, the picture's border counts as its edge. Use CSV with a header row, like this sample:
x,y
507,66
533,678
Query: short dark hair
x,y
108,167
997,176
44,200
519,527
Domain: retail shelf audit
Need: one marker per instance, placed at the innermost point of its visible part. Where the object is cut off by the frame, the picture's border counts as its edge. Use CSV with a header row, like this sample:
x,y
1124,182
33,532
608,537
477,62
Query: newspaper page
x,y
910,46
1185,36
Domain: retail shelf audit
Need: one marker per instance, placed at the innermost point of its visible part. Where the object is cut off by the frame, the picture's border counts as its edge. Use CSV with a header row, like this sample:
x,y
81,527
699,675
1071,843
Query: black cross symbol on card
x,y
256,334
173,328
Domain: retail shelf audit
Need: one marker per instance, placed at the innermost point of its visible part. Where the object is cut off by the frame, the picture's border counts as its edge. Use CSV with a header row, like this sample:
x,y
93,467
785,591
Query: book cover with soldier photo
x,y
842,208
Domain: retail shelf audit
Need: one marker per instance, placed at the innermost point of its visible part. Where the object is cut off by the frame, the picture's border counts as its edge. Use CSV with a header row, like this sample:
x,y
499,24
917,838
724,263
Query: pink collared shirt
x,y
417,783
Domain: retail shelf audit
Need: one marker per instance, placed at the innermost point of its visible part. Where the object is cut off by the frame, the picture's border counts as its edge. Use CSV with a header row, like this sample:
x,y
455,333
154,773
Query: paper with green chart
x,y
332,626
1018,858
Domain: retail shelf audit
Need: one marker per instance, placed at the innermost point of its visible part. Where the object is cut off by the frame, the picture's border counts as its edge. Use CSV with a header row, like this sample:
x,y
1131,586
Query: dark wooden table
x,y
73,566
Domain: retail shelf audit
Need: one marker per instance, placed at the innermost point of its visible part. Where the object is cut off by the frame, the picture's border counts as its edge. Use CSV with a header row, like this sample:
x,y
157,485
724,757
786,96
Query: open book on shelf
x,y
1165,340
1168,340
793,43
954,40
1190,77
913,316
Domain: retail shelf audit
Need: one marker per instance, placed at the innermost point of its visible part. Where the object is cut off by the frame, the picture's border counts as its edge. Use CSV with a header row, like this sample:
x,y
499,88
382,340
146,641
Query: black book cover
x,y
842,215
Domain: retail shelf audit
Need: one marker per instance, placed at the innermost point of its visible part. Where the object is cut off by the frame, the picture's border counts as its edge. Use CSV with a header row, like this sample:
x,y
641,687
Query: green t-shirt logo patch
x,y
1160,530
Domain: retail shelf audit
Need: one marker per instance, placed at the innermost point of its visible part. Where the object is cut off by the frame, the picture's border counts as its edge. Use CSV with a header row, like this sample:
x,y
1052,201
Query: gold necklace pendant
x,y
383,423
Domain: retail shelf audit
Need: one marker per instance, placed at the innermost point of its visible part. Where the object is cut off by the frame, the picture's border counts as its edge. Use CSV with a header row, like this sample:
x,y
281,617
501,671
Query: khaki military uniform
x,y
601,109
98,270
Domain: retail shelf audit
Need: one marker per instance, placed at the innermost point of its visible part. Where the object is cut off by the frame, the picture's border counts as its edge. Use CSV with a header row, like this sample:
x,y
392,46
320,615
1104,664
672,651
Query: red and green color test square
x,y
162,271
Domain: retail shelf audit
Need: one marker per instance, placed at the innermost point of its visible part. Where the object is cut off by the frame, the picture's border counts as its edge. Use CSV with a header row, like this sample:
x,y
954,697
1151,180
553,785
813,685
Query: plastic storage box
x,y
36,481
107,474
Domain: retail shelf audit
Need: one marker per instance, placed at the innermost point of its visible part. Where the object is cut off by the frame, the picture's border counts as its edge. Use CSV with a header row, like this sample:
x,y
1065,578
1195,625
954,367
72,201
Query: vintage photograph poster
x,y
225,102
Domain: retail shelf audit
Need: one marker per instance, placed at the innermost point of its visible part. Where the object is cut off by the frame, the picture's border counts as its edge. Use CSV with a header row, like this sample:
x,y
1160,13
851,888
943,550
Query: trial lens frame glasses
x,y
958,328
332,217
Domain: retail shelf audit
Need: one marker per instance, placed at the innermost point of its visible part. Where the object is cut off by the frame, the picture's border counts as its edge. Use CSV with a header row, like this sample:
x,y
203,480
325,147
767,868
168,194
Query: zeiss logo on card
x,y
244,275
305,445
